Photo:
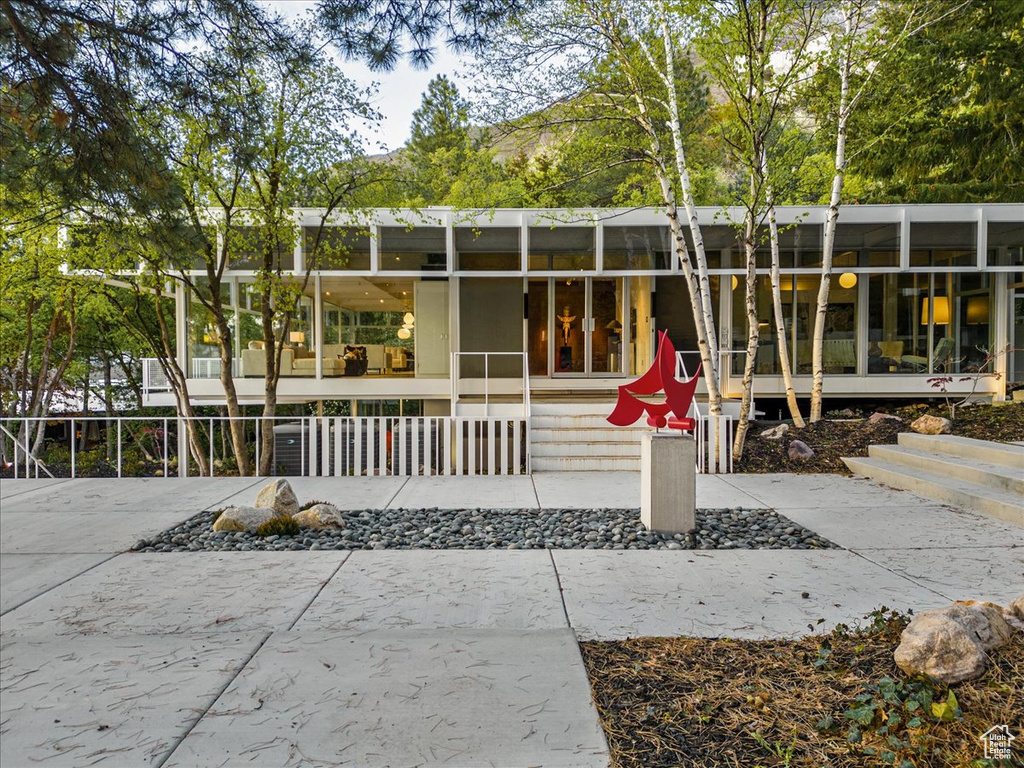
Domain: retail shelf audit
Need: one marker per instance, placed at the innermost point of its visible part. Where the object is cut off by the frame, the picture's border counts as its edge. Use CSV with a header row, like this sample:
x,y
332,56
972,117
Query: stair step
x,y
996,476
966,447
1002,505
585,450
587,464
587,435
568,422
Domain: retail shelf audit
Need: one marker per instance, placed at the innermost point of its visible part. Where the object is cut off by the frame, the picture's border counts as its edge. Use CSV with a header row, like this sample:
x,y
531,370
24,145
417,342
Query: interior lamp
x,y
940,310
847,280
735,282
977,310
404,333
409,319
297,337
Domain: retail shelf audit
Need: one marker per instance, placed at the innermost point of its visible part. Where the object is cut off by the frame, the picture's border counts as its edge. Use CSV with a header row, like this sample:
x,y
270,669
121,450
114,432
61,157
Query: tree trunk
x,y
832,218
743,424
780,322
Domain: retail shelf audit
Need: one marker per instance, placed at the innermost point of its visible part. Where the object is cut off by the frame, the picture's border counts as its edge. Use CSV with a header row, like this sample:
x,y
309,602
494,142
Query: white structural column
x,y
668,482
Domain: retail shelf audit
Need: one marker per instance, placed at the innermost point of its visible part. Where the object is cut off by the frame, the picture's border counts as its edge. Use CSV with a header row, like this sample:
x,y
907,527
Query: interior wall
x,y
491,320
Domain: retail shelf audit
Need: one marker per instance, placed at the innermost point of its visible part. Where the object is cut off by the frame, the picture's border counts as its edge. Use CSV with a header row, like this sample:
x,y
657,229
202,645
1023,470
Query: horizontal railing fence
x,y
303,446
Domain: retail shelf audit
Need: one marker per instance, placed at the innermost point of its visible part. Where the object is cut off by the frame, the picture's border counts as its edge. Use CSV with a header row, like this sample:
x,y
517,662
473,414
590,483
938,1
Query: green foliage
x,y
945,121
311,504
279,526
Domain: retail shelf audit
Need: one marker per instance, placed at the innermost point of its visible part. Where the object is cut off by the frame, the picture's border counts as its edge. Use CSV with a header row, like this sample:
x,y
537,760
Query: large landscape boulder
x,y
279,497
243,518
776,433
878,418
951,644
800,451
932,425
319,517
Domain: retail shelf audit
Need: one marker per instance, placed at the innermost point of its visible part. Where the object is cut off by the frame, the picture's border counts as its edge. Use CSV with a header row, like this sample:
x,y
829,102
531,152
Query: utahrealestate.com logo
x,y
997,741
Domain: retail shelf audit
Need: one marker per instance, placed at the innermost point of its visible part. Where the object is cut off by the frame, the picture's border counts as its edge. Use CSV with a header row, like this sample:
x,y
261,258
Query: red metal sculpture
x,y
661,377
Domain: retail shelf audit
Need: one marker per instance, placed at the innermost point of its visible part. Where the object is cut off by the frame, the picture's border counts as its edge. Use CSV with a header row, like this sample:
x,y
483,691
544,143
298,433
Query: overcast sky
x,y
399,91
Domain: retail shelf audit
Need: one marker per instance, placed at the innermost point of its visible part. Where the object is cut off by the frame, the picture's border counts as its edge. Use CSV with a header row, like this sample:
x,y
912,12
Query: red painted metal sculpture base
x,y
661,377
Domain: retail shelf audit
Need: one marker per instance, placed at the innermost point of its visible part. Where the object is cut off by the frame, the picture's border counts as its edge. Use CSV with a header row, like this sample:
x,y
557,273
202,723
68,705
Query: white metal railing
x,y
322,446
154,378
209,367
456,377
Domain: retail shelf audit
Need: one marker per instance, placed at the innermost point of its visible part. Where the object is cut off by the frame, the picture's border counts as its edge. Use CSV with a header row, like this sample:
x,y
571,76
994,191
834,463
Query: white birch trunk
x,y
780,322
832,218
750,249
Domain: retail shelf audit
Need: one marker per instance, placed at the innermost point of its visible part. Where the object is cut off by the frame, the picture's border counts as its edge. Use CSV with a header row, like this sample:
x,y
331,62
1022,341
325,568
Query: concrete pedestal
x,y
668,482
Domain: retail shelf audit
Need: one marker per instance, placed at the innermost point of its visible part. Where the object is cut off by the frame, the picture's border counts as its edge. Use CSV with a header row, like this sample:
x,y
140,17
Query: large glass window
x,y
637,248
537,326
929,323
799,295
421,249
569,249
1006,243
943,244
491,248
336,248
865,245
245,249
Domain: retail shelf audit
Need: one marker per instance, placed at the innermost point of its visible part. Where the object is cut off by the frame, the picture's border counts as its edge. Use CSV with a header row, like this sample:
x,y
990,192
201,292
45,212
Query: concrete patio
x,y
411,657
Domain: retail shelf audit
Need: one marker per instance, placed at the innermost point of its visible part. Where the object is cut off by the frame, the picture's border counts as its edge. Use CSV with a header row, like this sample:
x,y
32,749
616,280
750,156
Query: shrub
x,y
278,526
311,504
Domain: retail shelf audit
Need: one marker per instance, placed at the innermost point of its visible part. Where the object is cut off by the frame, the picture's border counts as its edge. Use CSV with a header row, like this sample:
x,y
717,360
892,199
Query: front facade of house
x,y
424,309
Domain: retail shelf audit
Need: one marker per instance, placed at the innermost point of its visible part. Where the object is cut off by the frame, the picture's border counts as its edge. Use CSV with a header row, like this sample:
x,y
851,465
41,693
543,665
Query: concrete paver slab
x,y
426,590
404,698
926,526
23,577
342,492
471,492
9,488
185,592
995,574
713,492
588,490
82,532
110,700
746,594
793,491
137,495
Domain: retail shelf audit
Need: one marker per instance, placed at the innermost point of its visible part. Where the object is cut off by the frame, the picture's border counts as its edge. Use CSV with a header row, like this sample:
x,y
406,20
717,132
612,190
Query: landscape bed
x,y
501,529
848,433
836,699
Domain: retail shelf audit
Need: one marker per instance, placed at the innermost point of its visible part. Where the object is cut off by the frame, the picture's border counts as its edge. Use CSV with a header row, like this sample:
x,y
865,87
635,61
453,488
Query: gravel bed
x,y
503,529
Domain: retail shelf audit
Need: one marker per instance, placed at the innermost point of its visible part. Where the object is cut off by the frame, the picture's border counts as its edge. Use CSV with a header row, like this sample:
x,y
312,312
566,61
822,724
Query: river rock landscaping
x,y
499,529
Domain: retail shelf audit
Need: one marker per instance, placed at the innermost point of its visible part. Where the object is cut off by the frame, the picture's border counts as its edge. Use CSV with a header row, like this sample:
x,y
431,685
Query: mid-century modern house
x,y
438,310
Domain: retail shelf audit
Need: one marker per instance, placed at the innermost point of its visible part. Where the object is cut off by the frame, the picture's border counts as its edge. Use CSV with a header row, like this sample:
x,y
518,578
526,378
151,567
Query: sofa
x,y
295,361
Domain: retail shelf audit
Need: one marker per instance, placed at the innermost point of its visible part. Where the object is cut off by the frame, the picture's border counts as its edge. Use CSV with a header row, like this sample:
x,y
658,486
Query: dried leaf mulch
x,y
719,702
850,435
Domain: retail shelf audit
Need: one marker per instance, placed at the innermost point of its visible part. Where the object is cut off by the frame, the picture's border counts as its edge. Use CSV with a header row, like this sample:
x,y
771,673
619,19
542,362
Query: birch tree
x,y
856,46
756,51
625,65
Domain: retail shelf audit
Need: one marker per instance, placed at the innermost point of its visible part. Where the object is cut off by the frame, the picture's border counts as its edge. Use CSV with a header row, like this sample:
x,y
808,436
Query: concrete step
x,y
587,435
965,447
601,408
1002,505
997,476
569,422
586,450
587,464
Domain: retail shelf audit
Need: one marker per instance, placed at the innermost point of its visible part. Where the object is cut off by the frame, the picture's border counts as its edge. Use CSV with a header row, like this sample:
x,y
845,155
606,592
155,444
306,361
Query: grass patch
x,y
836,700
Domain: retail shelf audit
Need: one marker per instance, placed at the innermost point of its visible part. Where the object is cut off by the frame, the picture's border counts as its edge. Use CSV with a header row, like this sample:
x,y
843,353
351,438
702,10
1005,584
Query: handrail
x,y
28,455
455,377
